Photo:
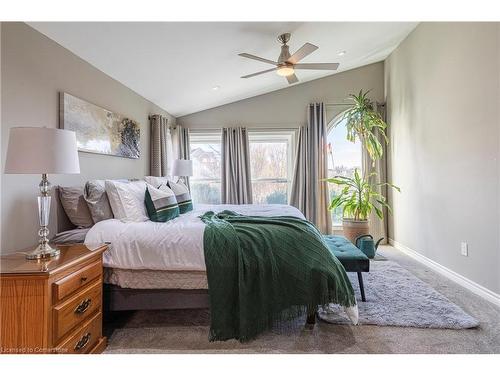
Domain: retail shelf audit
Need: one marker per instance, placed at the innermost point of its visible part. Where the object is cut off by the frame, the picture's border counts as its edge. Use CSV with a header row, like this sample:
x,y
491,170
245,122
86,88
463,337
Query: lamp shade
x,y
182,168
35,150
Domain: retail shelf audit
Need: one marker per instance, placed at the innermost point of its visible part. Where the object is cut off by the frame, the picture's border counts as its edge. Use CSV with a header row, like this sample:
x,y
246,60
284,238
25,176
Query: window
x,y
344,158
271,166
206,156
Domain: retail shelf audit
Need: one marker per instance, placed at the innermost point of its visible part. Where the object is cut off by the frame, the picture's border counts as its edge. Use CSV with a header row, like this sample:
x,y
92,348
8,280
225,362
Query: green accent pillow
x,y
182,195
161,204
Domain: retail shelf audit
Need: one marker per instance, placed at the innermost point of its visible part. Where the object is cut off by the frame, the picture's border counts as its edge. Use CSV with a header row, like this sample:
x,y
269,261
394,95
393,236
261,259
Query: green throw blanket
x,y
264,271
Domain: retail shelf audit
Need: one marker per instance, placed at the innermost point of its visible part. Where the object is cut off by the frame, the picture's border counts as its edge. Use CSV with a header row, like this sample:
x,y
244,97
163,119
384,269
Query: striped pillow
x,y
161,204
182,195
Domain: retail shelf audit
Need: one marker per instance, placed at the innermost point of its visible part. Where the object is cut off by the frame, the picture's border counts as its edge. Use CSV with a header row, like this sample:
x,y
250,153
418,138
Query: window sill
x,y
337,230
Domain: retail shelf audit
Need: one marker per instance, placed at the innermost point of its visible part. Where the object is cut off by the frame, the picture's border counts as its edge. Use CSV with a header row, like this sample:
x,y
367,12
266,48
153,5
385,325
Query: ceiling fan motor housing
x,y
284,55
285,50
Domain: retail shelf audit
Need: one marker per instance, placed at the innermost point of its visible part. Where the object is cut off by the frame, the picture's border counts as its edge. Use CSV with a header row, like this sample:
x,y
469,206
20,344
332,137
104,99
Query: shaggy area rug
x,y
394,297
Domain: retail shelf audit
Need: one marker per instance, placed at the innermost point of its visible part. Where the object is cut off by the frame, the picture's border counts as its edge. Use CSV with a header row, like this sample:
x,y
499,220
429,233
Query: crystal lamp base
x,y
43,251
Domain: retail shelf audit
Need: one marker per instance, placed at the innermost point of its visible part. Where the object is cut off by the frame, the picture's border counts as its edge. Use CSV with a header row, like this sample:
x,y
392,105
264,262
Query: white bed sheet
x,y
171,246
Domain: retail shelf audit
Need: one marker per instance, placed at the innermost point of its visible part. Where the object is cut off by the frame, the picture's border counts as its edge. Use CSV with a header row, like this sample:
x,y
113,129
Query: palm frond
x,y
359,197
364,123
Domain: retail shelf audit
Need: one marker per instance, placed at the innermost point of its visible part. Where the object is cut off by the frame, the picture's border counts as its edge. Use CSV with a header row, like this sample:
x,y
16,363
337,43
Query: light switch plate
x,y
464,249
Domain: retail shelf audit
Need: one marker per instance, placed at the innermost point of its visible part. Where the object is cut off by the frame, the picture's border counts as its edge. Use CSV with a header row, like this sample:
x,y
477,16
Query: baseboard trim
x,y
452,275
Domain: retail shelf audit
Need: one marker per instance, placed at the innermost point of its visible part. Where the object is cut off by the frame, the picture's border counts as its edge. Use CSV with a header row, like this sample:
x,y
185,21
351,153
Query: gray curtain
x,y
183,149
302,188
236,180
161,146
378,228
310,194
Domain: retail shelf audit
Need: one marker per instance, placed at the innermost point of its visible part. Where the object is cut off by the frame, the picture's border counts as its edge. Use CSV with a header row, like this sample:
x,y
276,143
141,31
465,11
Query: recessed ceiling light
x,y
342,53
215,88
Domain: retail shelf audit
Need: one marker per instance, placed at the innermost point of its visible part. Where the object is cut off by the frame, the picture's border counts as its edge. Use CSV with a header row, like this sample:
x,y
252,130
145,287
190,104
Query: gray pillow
x,y
97,200
70,236
75,206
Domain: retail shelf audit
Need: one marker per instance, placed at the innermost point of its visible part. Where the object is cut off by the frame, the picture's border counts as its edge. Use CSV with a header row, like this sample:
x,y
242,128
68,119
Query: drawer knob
x,y
83,306
83,342
83,279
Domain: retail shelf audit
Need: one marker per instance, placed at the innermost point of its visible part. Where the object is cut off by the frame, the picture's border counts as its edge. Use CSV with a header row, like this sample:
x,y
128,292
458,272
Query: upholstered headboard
x,y
62,221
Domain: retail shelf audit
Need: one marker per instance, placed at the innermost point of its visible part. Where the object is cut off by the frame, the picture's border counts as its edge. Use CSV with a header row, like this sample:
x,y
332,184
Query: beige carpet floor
x,y
186,331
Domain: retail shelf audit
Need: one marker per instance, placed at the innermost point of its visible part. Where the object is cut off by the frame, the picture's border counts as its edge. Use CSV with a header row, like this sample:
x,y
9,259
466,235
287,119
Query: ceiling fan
x,y
287,64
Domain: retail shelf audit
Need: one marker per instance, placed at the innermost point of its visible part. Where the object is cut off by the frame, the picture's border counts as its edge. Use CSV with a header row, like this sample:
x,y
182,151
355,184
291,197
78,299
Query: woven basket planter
x,y
354,228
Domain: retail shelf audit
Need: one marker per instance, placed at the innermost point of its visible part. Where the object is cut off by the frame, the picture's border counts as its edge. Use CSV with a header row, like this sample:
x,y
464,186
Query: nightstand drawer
x,y
71,283
84,339
70,313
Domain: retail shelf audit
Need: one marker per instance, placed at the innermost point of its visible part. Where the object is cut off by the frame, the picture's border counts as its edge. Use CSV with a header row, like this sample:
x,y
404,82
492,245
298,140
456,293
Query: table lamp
x,y
182,168
36,150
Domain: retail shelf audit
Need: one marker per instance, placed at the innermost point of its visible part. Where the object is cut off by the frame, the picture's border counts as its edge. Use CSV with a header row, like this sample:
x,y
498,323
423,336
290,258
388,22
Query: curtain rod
x,y
248,127
344,104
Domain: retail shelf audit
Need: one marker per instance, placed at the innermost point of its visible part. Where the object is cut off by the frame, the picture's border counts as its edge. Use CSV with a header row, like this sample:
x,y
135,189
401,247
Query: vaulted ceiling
x,y
188,67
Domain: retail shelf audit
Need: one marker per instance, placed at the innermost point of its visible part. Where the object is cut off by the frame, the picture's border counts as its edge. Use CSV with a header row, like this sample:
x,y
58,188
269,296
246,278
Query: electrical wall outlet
x,y
464,249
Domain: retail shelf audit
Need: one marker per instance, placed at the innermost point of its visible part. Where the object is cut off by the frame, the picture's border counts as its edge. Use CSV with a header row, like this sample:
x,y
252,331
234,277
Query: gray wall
x,y
442,87
288,107
34,70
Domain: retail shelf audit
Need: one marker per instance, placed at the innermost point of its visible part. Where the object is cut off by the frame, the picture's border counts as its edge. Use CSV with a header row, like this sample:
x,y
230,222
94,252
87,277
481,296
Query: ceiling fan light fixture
x,y
285,71
287,64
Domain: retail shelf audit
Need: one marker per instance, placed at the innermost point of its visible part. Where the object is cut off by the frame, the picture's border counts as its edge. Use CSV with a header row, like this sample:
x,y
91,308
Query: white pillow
x,y
127,200
156,181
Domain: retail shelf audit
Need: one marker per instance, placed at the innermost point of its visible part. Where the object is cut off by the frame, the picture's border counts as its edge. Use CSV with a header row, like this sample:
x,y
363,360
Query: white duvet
x,y
172,246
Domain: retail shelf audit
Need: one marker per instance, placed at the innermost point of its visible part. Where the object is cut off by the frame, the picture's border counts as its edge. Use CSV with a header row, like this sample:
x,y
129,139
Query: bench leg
x,y
361,287
311,318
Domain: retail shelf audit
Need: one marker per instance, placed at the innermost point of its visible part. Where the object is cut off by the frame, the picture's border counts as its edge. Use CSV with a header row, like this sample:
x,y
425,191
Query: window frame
x,y
277,136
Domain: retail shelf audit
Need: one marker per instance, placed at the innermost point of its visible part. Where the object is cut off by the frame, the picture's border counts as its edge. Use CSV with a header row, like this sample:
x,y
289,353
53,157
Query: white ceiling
x,y
176,64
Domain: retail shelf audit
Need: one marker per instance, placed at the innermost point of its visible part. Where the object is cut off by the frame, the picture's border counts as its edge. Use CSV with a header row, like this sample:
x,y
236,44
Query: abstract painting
x,y
99,130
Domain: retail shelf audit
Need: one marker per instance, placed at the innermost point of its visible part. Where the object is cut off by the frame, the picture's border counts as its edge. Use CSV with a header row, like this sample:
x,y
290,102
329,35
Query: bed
x,y
151,265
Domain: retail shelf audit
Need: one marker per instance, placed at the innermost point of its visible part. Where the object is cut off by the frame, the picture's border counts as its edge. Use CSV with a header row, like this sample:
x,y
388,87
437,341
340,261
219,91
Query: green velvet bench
x,y
352,258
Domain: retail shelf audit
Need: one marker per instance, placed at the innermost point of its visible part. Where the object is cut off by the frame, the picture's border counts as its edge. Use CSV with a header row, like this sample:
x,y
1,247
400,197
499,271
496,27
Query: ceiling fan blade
x,y
253,57
302,52
318,66
292,79
258,73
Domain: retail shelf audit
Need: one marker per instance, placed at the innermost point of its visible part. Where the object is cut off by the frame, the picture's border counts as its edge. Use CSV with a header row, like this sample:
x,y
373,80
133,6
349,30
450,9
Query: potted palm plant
x,y
360,194
358,198
365,123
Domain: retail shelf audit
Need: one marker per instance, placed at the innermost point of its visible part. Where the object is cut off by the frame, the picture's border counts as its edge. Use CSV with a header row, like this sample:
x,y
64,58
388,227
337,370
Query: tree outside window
x,y
270,164
206,179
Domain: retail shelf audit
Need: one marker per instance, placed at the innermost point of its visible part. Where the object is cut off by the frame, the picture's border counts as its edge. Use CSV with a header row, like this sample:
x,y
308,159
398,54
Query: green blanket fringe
x,y
265,271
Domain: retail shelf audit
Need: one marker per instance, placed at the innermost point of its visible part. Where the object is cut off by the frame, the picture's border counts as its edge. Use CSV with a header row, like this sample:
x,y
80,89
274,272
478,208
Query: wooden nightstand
x,y
52,306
